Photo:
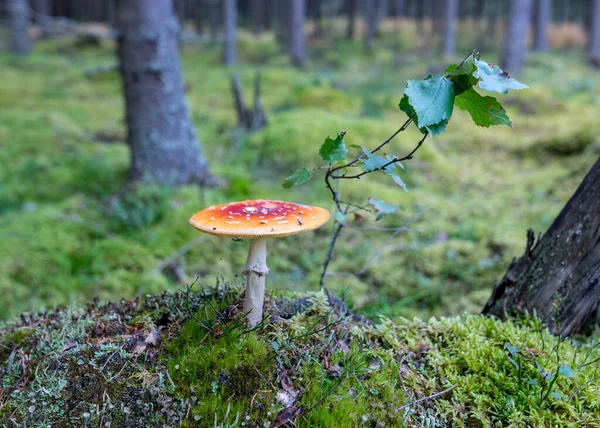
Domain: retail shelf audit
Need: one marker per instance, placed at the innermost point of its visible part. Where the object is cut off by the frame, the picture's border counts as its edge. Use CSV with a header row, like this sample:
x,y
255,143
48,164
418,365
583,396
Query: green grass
x,y
66,239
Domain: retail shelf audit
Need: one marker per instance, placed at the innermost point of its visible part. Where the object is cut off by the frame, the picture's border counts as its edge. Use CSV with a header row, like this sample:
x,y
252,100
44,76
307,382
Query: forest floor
x,y
185,358
68,236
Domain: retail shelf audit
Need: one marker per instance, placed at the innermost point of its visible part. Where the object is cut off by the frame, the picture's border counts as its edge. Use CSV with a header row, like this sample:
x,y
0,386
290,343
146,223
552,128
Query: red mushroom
x,y
257,220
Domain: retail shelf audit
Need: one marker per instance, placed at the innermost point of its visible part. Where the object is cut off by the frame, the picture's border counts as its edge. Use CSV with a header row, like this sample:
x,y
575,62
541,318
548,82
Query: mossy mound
x,y
187,358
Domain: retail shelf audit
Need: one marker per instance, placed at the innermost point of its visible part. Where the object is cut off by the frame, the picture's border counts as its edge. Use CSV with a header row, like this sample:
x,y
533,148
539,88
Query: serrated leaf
x,y
566,371
340,217
432,99
465,67
485,111
493,79
373,162
398,181
300,176
333,149
462,83
435,129
382,208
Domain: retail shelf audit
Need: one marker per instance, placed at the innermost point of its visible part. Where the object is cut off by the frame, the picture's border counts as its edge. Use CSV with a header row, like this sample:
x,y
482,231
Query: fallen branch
x,y
169,261
429,397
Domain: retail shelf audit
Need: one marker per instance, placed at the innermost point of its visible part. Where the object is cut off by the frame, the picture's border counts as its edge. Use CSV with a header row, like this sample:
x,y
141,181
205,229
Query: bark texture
x,y
163,142
371,21
543,11
450,26
230,14
515,38
594,44
351,6
561,271
19,26
297,49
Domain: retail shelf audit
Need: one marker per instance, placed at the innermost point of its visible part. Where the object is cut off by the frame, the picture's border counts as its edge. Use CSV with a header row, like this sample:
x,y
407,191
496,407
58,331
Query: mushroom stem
x,y
255,270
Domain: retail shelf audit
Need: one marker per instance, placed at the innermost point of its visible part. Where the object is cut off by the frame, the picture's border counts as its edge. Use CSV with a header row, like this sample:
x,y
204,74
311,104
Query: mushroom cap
x,y
260,218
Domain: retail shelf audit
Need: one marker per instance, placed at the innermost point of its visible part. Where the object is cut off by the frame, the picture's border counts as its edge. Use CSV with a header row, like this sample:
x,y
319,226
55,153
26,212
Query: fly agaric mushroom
x,y
258,220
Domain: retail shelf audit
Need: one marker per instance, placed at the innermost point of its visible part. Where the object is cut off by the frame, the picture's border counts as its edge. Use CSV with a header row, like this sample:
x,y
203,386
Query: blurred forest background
x,y
265,82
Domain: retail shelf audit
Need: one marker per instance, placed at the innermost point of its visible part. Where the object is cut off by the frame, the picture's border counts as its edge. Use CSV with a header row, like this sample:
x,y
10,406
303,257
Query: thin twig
x,y
180,252
429,397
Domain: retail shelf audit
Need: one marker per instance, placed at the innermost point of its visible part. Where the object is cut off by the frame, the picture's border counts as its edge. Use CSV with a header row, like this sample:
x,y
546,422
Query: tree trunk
x,y
44,12
560,272
420,17
297,11
230,14
351,6
213,20
449,28
543,12
162,140
371,22
515,39
19,25
259,13
594,44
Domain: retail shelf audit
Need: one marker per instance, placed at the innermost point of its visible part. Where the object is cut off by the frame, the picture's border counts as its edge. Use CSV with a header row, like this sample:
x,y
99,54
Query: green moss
x,y
310,364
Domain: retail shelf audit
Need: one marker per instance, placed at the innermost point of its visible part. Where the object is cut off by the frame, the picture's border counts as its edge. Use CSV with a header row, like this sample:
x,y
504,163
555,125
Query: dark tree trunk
x,y
162,140
259,13
420,16
351,6
371,23
213,19
543,13
297,11
399,8
230,14
560,272
515,39
594,44
564,11
42,17
19,26
449,27
111,13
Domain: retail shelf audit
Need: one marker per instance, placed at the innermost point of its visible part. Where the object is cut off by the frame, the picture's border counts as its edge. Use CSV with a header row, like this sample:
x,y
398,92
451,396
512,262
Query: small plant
x,y
142,207
429,104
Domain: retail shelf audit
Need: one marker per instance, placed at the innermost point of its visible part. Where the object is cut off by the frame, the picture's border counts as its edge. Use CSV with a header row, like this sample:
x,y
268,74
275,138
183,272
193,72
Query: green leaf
x,y
566,371
374,162
462,83
298,177
432,99
382,208
398,181
435,129
333,150
465,67
340,217
485,111
493,79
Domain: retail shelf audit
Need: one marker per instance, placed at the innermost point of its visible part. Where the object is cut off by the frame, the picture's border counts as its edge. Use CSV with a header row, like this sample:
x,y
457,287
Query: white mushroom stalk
x,y
258,220
255,270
